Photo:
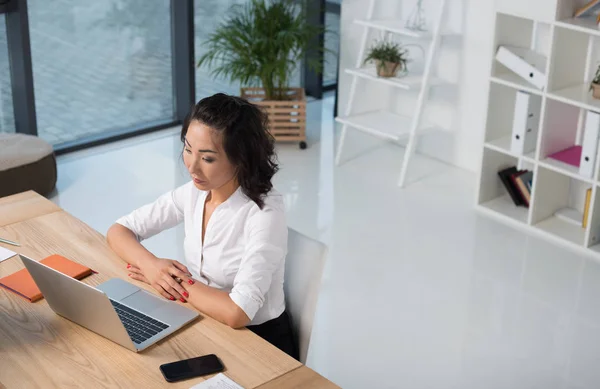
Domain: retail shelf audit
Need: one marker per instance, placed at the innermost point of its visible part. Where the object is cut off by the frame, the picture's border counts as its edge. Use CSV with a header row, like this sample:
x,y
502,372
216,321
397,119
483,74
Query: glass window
x,y
100,67
7,119
208,15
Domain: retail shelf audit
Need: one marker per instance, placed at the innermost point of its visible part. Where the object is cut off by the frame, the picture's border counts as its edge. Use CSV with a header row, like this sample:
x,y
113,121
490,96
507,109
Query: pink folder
x,y
571,156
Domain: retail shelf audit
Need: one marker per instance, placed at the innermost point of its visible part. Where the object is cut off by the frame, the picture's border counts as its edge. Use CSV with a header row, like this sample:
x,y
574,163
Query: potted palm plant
x,y
595,84
389,58
260,45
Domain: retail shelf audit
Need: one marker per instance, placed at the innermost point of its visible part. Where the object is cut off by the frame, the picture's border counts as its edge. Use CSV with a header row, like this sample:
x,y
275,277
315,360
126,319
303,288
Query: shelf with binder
x,y
560,143
565,159
590,134
513,121
517,38
498,130
559,204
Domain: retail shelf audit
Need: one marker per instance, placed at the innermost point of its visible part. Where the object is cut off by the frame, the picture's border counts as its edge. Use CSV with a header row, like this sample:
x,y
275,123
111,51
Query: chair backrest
x,y
303,270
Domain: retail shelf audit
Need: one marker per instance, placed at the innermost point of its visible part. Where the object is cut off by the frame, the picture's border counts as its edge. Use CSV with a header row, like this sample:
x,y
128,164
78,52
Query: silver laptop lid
x,y
78,302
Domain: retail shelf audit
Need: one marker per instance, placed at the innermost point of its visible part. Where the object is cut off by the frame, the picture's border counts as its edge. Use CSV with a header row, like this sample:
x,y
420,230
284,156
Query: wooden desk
x,y
41,349
24,206
300,378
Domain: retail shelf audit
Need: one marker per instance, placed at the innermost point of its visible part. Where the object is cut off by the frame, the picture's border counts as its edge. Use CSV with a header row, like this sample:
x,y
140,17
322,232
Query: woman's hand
x,y
136,274
162,275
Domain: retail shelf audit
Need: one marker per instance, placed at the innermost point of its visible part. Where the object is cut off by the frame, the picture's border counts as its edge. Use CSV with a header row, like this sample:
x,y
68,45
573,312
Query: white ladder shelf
x,y
383,124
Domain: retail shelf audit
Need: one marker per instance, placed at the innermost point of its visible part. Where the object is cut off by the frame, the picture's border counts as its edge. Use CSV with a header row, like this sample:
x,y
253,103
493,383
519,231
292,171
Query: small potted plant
x,y
389,58
260,44
595,84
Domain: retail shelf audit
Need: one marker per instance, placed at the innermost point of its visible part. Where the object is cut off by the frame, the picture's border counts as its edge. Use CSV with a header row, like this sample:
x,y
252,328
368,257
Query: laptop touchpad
x,y
142,301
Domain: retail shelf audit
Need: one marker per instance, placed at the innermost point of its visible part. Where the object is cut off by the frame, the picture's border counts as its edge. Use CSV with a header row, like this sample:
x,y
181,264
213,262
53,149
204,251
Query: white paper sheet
x,y
5,254
220,381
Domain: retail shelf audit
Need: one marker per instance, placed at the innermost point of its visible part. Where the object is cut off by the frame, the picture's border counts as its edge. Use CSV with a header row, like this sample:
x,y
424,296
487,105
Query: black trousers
x,y
279,333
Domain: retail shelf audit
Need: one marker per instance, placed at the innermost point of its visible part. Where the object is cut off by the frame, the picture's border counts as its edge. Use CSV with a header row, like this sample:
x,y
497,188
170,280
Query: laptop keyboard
x,y
139,326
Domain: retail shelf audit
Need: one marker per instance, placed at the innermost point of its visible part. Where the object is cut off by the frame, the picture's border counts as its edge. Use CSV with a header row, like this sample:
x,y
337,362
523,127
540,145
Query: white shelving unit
x,y
572,47
383,124
393,26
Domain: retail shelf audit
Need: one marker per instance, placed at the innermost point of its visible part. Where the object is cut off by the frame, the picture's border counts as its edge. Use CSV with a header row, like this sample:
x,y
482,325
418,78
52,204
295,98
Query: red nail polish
x,y
182,300
191,282
128,266
186,294
172,298
129,274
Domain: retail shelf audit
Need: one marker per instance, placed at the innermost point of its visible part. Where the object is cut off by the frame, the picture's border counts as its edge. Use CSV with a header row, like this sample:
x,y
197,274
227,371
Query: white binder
x,y
589,147
528,64
526,122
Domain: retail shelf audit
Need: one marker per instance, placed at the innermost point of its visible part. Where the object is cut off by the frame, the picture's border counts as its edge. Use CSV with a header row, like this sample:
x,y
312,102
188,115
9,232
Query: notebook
x,y
23,285
506,181
5,254
571,156
220,381
520,180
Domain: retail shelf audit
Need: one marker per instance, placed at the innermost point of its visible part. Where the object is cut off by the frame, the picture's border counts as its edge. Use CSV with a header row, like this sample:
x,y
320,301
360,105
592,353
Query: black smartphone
x,y
190,368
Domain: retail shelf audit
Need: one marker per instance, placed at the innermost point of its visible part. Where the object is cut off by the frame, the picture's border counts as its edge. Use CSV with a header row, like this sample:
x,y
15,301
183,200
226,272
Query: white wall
x,y
465,61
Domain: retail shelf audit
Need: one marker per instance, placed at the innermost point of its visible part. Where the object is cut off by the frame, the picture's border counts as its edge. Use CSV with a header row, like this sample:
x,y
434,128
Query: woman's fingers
x,y
175,272
182,267
163,292
173,288
180,289
166,284
133,269
136,274
138,277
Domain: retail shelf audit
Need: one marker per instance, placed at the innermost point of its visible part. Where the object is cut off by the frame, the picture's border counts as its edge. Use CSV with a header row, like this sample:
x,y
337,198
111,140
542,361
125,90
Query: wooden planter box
x,y
287,119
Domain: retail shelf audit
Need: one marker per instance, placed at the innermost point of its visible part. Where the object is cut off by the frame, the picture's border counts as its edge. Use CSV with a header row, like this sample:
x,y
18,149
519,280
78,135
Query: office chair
x,y
303,270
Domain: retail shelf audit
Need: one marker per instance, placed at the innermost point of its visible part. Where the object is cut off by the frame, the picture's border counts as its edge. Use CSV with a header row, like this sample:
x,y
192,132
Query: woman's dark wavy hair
x,y
246,141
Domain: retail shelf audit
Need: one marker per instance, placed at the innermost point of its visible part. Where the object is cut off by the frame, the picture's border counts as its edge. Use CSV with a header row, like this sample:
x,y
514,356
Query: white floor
x,y
420,291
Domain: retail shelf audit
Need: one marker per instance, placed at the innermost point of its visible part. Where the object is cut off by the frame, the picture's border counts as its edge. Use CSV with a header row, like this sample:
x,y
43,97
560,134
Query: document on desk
x,y
6,253
220,381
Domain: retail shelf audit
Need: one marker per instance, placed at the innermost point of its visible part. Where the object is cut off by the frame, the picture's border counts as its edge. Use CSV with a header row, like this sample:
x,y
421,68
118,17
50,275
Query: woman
x,y
235,230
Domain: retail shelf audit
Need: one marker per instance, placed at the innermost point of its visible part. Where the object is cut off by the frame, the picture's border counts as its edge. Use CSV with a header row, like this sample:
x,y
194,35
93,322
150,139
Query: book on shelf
x,y
570,155
513,179
522,181
515,183
588,9
504,177
586,209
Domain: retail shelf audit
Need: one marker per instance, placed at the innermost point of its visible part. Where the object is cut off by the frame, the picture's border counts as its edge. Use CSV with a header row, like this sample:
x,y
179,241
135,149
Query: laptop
x,y
115,309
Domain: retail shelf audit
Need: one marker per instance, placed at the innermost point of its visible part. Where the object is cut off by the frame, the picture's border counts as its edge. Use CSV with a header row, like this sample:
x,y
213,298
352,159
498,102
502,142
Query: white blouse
x,y
244,247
